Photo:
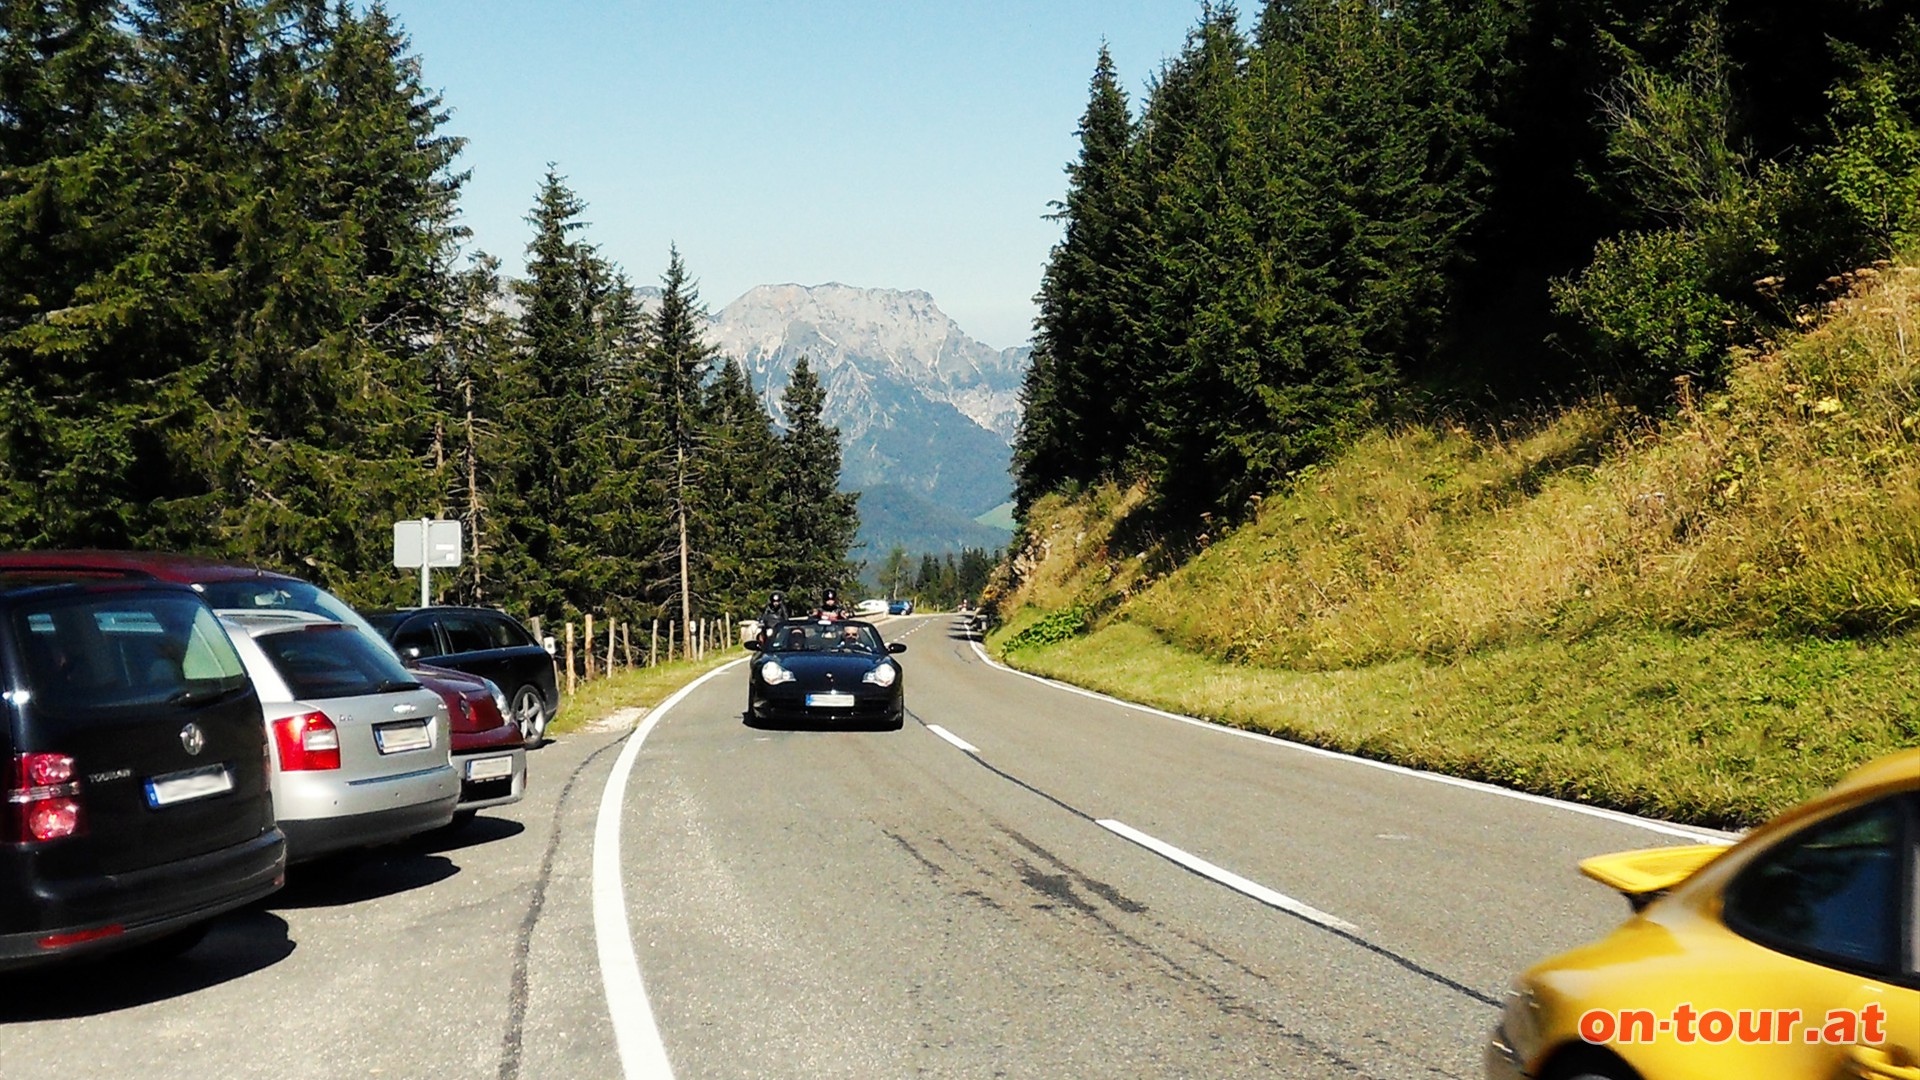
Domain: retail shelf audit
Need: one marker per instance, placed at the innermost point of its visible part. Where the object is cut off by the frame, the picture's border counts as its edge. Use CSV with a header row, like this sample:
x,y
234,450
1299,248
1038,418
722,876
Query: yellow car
x,y
1793,955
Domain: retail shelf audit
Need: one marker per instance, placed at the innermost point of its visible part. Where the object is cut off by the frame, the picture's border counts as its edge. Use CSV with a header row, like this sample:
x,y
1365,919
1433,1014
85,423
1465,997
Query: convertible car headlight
x,y
880,676
773,674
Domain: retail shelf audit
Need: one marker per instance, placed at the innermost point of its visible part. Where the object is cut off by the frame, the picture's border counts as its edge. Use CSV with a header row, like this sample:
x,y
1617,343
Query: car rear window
x,y
465,634
281,594
333,661
96,653
507,633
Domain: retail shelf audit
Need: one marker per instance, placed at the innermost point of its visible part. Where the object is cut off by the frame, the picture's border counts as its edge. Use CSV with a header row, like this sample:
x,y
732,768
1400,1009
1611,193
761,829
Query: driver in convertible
x,y
850,639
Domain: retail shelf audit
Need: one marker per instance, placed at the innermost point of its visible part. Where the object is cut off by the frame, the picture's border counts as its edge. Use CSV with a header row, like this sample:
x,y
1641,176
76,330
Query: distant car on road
x,y
874,606
483,642
136,805
360,748
900,607
1793,955
821,671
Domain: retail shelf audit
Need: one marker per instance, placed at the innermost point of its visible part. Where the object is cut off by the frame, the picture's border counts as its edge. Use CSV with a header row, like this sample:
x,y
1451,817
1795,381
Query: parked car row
x,y
179,730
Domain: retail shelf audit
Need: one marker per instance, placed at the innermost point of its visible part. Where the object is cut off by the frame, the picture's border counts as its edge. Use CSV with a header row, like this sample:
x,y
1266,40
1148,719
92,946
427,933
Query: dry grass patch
x,y
640,688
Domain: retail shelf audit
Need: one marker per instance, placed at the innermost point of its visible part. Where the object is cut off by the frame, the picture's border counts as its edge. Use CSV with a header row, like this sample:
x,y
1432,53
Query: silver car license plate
x,y
832,699
490,768
402,737
175,788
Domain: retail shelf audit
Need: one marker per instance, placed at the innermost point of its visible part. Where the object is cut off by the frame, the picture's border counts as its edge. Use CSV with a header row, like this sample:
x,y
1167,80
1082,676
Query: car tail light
x,y
45,798
307,743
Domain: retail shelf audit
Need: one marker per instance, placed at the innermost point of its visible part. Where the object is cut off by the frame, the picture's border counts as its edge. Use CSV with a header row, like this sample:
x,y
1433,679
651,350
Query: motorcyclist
x,y
773,614
830,606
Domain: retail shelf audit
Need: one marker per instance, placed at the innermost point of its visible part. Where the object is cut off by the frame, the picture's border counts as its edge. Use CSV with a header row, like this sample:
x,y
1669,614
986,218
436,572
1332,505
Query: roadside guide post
x,y
426,543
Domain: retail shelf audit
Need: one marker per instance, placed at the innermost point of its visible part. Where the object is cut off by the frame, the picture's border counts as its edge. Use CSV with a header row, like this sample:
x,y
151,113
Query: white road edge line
x,y
1227,877
1684,832
642,1055
952,738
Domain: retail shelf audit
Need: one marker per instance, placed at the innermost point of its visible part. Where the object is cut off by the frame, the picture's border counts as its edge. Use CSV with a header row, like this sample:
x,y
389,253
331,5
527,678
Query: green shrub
x,y
1647,298
1053,628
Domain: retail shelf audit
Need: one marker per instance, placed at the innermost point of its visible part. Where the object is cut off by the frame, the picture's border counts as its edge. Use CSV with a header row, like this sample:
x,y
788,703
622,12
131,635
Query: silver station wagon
x,y
360,750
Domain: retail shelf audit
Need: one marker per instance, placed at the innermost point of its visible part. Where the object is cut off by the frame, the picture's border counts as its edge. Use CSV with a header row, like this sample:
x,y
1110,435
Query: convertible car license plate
x,y
490,768
187,786
399,738
832,699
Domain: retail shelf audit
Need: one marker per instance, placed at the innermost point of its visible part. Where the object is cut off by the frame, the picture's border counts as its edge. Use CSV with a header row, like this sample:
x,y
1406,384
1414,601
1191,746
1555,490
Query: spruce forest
x,y
235,320
1338,213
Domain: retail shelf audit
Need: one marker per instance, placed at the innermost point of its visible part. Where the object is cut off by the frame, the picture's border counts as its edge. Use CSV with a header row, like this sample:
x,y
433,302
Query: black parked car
x,y
483,642
817,670
135,766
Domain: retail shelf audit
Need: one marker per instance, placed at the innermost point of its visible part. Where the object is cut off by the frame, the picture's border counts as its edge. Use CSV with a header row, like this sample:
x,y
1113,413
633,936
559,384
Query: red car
x,y
487,747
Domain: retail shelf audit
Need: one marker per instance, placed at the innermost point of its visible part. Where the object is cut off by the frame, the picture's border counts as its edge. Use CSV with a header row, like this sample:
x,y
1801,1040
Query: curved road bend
x,y
1027,881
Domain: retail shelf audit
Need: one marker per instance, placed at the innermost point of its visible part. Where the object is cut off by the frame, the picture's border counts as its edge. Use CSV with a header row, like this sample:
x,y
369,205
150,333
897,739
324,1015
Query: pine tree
x,y
477,381
734,535
1079,389
815,520
679,359
629,509
76,391
559,427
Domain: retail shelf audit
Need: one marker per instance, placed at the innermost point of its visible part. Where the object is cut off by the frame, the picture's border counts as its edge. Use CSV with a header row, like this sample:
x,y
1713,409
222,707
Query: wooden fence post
x,y
669,640
653,650
612,637
534,625
570,683
589,644
626,642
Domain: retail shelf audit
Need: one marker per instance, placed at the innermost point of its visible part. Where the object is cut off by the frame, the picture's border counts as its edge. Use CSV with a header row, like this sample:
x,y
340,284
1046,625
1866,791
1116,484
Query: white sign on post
x,y
426,543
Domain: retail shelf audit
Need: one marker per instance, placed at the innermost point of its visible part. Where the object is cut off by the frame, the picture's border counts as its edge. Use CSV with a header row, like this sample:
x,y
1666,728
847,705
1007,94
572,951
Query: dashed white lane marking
x,y
1684,832
952,738
642,1055
1227,877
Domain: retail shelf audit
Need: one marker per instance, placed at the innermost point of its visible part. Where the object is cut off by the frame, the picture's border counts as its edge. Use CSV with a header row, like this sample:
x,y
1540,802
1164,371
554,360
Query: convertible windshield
x,y
819,637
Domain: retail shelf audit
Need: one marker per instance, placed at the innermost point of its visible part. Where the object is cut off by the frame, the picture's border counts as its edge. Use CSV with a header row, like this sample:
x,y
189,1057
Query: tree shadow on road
x,y
236,945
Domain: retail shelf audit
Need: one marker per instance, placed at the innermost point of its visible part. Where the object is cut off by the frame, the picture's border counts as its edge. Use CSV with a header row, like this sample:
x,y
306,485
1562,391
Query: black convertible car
x,y
814,671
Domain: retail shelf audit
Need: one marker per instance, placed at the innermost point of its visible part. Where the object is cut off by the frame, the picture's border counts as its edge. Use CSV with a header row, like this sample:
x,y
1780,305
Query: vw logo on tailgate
x,y
193,739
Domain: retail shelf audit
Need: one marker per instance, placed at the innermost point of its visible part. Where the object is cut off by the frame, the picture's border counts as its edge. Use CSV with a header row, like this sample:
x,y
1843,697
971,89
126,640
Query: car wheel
x,y
531,714
1582,1065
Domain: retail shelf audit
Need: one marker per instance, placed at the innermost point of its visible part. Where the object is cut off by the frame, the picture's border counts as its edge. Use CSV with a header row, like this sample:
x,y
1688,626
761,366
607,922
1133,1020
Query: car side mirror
x,y
552,646
897,647
750,645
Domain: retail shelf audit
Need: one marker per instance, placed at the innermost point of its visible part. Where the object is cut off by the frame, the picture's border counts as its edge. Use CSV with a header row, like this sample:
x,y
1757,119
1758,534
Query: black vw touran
x,y
133,758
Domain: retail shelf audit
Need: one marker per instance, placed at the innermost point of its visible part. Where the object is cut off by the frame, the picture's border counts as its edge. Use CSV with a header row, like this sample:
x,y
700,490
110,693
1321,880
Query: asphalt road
x,y
1026,881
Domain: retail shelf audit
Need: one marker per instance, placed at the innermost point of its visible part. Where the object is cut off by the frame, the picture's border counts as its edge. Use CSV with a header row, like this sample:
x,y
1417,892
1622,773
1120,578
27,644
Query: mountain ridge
x,y
919,404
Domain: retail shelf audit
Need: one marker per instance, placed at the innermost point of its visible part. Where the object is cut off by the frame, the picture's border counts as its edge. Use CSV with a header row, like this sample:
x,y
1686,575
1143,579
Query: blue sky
x,y
910,145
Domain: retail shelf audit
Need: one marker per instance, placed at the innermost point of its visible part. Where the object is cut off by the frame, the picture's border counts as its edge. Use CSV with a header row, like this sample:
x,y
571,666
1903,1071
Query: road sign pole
x,y
426,574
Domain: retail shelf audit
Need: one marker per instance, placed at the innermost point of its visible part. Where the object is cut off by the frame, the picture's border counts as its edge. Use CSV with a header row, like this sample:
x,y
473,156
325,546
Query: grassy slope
x,y
1707,619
